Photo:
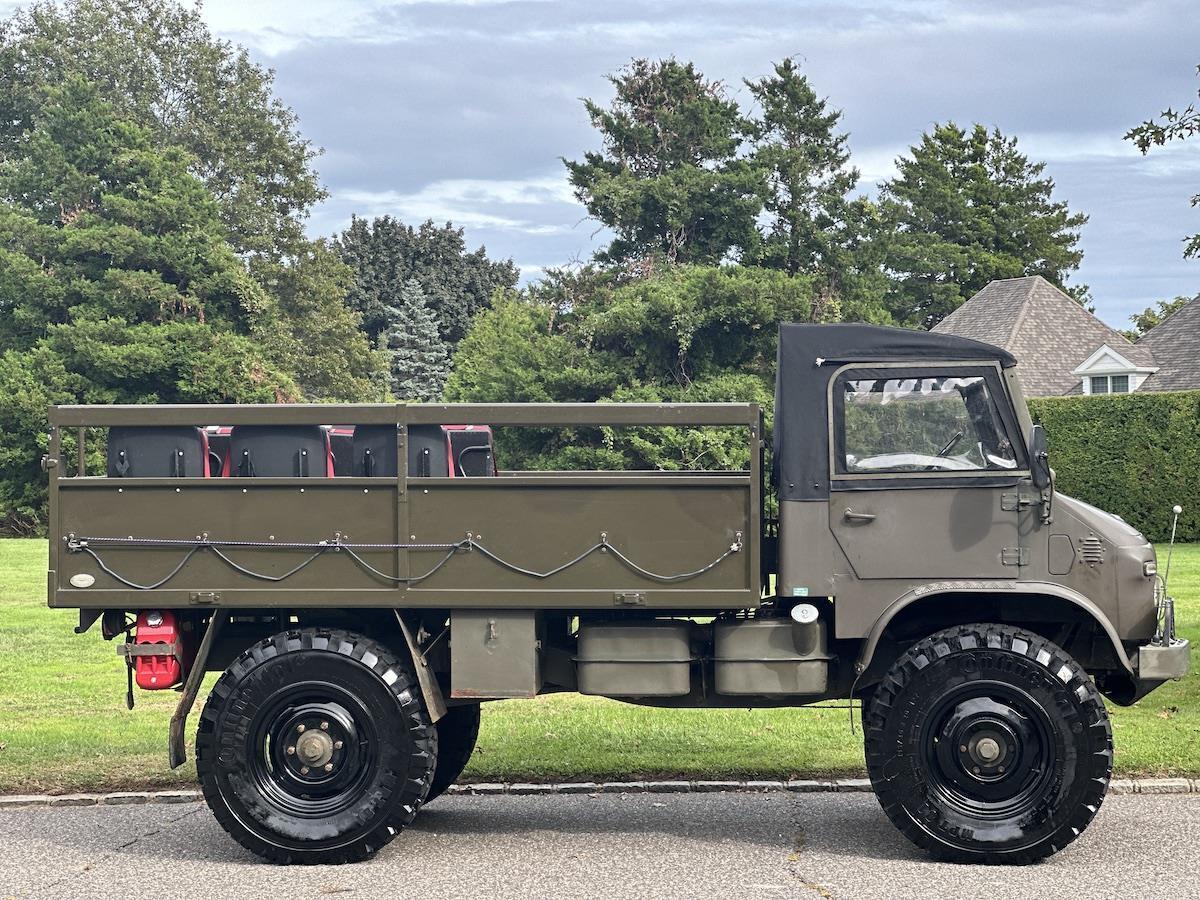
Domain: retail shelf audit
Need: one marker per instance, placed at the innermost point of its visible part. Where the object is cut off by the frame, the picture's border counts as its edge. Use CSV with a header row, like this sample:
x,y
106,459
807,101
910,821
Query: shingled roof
x,y
1175,344
1046,330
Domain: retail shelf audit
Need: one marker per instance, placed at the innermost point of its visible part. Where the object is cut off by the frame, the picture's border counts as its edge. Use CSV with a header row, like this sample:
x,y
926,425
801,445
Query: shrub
x,y
1133,454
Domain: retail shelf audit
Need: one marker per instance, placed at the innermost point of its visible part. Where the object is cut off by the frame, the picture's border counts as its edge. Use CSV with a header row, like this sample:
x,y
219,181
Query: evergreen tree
x,y
669,179
157,64
816,227
313,333
419,358
116,285
807,167
966,208
385,254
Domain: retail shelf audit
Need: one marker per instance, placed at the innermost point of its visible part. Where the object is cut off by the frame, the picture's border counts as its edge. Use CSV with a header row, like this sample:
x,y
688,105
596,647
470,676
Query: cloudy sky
x,y
460,109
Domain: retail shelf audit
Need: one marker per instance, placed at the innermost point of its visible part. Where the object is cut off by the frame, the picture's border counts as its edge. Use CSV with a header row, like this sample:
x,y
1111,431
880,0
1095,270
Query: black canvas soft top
x,y
807,358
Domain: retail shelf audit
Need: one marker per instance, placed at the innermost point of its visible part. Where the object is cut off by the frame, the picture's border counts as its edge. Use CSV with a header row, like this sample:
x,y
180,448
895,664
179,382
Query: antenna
x,y
1176,509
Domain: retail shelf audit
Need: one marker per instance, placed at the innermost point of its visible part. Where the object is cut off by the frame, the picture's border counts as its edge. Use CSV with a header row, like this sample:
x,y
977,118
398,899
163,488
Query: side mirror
x,y
1039,458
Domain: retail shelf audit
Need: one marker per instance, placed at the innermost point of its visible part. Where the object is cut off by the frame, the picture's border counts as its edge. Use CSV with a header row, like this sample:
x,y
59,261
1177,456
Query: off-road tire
x,y
957,684
249,772
458,730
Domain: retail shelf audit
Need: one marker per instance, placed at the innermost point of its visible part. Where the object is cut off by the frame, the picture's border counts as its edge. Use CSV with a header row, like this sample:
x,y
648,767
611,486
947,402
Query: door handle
x,y
851,516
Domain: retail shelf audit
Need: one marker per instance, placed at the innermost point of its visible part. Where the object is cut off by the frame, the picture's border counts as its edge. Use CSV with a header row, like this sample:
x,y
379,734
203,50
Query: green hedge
x,y
1134,455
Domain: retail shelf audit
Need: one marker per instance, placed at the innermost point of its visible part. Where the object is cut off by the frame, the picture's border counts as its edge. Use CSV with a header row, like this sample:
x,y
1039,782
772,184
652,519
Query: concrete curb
x,y
800,786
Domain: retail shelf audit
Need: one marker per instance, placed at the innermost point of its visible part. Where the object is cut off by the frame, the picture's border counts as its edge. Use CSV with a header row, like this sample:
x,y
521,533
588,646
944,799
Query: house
x,y
1175,345
1061,348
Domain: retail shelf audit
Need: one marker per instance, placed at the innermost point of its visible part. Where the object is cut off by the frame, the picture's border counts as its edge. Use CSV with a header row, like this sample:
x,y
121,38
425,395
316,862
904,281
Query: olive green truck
x,y
365,576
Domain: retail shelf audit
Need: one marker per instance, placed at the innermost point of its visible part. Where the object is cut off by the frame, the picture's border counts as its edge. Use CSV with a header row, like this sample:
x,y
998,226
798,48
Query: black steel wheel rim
x,y
988,750
312,750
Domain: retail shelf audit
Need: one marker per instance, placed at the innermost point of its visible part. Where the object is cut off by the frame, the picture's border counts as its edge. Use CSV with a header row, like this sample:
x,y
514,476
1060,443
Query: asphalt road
x,y
632,845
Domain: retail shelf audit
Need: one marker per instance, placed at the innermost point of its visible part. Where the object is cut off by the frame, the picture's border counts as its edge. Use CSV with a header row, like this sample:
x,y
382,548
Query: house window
x,y
1110,384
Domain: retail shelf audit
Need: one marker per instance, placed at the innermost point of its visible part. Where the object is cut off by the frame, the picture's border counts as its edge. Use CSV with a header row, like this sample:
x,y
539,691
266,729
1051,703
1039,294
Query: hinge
x,y
1014,556
1015,500
629,598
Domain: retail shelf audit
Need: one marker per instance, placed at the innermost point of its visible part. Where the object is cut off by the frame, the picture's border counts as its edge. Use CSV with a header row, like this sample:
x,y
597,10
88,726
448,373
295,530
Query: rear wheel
x,y
315,747
457,732
988,743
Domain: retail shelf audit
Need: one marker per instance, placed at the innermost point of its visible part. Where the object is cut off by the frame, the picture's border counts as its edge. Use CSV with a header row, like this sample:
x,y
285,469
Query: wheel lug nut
x,y
304,770
291,751
328,767
962,748
337,745
1000,769
300,728
324,726
976,770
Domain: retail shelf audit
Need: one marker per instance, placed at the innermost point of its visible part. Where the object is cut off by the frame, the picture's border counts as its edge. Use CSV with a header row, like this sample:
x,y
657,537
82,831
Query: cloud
x,y
473,203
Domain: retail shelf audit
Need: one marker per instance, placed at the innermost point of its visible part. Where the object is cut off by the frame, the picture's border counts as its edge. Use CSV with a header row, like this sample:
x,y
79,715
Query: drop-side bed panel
x,y
666,524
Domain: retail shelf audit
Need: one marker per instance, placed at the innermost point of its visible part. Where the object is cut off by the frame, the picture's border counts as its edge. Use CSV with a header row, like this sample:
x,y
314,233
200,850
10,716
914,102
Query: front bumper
x,y
1159,662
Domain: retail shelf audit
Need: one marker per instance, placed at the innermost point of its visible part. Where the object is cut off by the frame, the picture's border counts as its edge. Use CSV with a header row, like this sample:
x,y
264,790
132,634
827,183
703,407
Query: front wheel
x,y
315,747
988,743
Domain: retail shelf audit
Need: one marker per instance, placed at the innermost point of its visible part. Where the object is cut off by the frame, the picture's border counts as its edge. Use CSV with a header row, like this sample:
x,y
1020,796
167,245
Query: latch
x,y
1014,556
629,598
1015,500
204,597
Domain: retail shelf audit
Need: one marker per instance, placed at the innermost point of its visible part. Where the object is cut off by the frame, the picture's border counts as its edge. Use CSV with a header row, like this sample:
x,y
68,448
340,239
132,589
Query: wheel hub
x,y
314,747
986,751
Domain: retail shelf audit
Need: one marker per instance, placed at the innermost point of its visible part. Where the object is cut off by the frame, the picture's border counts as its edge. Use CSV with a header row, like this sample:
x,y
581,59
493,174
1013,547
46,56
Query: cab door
x,y
925,463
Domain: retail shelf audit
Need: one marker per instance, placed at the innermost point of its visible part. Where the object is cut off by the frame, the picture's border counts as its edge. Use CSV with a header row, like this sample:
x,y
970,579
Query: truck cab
x,y
928,498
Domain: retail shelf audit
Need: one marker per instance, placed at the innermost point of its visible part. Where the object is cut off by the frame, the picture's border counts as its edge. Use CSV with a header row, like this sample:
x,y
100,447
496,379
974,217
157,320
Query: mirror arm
x,y
1048,499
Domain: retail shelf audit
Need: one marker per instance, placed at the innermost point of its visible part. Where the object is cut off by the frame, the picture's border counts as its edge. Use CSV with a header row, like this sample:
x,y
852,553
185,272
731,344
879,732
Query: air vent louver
x,y
1091,550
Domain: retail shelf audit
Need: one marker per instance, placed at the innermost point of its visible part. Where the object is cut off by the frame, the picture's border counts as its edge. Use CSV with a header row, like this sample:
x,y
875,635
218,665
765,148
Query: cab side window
x,y
934,423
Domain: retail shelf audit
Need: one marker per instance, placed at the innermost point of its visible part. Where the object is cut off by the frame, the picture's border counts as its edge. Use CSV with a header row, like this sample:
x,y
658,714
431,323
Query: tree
x,y
669,179
1154,315
116,284
683,334
965,208
816,228
312,333
157,64
1171,125
419,360
385,254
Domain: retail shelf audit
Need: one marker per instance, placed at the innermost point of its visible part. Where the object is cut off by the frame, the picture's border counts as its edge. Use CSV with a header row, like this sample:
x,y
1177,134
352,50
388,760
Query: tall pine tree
x,y
669,179
967,207
419,360
816,228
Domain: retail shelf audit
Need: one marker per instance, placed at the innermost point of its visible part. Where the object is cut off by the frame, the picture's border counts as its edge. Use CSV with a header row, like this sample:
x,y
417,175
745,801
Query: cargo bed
x,y
579,540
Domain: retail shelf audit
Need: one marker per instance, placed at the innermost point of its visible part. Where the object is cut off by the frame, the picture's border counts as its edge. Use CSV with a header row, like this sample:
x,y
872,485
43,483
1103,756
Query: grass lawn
x,y
64,726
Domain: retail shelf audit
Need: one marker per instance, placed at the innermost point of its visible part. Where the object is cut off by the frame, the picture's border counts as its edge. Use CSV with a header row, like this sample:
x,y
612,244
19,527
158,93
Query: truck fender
x,y
925,591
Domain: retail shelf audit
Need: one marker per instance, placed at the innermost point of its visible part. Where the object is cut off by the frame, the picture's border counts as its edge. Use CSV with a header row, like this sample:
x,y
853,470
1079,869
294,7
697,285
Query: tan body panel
x,y
929,533
665,523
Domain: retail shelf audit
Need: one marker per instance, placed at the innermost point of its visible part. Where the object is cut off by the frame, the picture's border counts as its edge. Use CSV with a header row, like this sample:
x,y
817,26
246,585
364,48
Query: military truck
x,y
916,558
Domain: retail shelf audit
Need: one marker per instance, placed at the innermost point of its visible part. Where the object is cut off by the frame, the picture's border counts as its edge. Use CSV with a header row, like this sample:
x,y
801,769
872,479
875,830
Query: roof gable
x,y
1048,332
1106,361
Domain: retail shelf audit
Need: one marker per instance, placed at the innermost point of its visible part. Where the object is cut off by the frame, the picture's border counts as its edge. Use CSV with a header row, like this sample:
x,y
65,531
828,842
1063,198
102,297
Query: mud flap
x,y
176,752
435,703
